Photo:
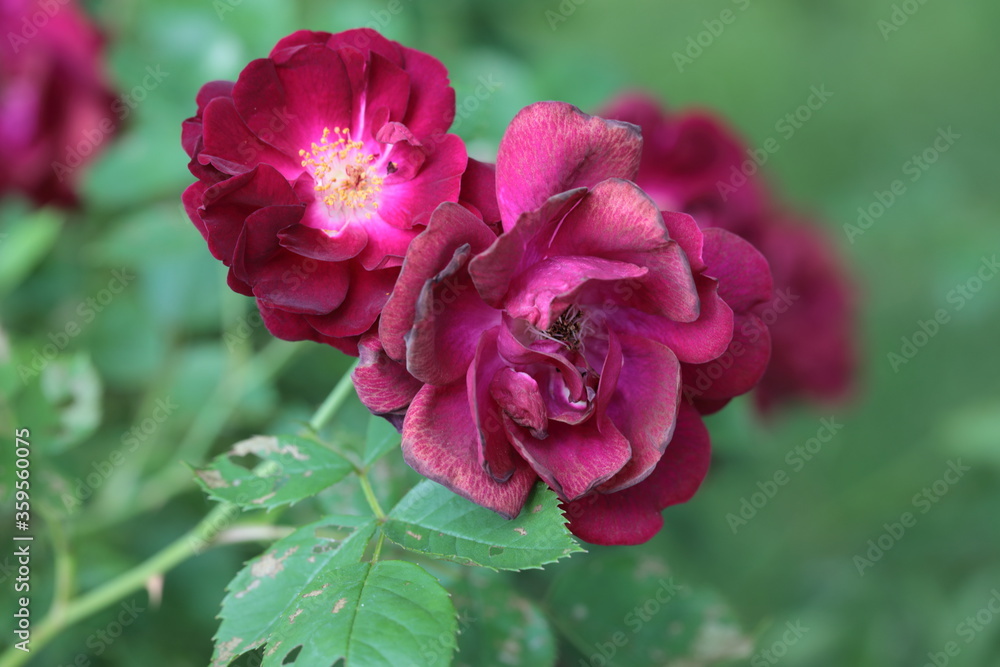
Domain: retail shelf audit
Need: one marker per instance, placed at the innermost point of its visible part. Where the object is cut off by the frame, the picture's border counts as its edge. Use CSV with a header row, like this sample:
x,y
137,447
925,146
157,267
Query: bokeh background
x,y
177,335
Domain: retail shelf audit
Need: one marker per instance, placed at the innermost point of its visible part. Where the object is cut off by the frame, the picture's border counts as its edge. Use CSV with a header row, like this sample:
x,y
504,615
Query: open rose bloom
x,y
557,350
315,170
56,106
693,162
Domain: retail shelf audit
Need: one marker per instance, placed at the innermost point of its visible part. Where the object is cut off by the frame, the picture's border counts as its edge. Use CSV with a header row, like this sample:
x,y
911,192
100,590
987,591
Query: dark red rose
x,y
556,349
316,169
693,162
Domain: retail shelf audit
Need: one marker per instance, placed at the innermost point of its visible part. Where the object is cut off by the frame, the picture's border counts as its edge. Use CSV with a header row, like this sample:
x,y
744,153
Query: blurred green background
x,y
177,335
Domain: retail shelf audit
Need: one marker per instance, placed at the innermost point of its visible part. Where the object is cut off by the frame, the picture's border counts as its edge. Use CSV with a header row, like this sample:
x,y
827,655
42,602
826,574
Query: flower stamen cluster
x,y
346,183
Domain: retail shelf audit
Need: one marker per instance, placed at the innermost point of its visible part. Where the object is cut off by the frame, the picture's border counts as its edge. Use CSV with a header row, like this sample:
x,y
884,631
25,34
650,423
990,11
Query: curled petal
x,y
644,406
522,246
383,385
449,319
440,441
574,459
450,227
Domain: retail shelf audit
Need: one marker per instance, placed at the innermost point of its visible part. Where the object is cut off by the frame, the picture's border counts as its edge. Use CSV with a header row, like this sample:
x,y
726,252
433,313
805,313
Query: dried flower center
x,y
343,172
567,329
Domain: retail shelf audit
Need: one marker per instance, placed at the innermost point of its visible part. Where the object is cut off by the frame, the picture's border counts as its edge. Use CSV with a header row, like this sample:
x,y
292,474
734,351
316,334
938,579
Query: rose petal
x,y
493,269
440,441
495,453
632,516
449,319
644,406
450,227
552,147
573,459
383,385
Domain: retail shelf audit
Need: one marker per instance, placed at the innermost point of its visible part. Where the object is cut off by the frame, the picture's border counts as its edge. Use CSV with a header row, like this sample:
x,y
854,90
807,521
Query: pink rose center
x,y
345,178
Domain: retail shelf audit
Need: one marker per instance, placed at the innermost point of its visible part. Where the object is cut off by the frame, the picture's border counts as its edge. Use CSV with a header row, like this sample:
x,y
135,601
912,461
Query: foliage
x,y
175,369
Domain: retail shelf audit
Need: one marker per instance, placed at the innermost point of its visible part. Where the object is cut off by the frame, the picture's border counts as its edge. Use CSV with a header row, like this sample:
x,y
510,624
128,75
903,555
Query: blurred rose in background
x,y
56,104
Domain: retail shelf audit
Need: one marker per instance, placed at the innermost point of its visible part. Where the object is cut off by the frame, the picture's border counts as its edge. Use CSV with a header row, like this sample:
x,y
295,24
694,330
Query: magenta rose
x,y
56,106
694,163
556,350
813,327
316,169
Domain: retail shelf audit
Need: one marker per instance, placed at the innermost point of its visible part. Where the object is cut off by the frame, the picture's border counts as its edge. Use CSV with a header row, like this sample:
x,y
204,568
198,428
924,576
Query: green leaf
x,y
74,388
434,521
311,592
295,468
62,402
633,611
24,243
381,439
499,626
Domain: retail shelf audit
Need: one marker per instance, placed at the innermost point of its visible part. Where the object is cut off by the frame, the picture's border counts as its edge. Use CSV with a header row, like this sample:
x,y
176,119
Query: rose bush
x,y
557,349
693,162
316,169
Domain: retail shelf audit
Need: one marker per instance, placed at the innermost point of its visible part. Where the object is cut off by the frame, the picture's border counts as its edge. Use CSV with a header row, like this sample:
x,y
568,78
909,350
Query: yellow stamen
x,y
343,172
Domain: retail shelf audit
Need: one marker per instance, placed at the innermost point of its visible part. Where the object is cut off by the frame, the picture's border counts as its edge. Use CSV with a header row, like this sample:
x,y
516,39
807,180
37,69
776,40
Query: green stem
x,y
63,562
366,486
378,547
117,588
334,401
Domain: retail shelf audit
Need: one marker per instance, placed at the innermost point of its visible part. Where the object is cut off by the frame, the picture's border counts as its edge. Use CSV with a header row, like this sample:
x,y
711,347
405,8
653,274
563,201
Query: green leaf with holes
x,y
434,521
310,600
291,469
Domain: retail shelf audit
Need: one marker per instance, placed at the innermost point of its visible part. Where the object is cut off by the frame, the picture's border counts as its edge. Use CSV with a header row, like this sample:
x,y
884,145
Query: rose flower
x,y
557,349
315,170
56,107
692,162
